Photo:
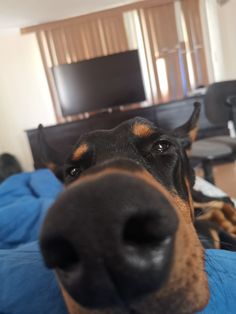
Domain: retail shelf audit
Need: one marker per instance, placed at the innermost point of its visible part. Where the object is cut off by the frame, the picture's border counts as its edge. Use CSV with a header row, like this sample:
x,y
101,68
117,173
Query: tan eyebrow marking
x,y
80,151
193,134
141,129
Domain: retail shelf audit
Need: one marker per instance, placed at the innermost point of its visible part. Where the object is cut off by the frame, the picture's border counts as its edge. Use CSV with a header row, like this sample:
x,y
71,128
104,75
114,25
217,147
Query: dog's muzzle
x,y
110,238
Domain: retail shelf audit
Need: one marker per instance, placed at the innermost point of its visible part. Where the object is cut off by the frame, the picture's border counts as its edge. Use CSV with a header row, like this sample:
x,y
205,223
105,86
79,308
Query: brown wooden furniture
x,y
168,116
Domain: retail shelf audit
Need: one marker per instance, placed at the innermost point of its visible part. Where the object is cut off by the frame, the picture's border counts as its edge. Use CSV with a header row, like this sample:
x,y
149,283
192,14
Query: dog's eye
x,y
73,171
161,146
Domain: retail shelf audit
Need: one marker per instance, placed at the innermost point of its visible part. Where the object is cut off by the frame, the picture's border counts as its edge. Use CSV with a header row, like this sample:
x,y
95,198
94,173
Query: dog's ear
x,y
187,133
48,157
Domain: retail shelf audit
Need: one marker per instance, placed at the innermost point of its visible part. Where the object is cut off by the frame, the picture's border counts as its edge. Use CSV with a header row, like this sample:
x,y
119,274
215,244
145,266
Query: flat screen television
x,y
98,83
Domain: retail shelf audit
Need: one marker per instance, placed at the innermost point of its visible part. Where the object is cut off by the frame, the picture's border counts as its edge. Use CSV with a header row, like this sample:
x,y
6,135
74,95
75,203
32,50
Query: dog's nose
x,y
110,239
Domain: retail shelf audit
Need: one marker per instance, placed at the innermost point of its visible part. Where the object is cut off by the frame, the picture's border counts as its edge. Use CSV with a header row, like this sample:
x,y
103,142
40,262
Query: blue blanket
x,y
27,287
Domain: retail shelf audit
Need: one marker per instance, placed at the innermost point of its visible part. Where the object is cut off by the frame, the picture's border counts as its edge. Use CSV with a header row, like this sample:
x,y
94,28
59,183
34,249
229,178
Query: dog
x,y
127,235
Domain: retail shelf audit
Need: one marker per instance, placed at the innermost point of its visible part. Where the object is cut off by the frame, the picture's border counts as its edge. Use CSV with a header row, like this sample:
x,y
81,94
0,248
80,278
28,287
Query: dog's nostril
x,y
59,253
142,231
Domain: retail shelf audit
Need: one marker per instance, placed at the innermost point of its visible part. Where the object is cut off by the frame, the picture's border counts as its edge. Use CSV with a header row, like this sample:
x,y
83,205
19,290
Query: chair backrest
x,y
215,101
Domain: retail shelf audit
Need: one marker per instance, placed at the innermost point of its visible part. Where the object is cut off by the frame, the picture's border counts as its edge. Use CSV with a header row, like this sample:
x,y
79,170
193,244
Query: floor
x,y
225,177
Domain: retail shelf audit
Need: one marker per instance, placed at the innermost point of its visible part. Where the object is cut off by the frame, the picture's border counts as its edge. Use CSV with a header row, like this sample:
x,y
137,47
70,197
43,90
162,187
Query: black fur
x,y
116,228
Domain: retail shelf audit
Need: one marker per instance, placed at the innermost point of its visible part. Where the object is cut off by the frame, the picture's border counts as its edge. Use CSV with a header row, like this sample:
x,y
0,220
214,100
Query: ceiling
x,y
21,13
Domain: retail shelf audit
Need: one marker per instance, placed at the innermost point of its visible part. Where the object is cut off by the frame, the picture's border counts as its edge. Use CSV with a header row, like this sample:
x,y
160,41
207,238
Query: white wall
x,y
212,40
220,23
227,23
24,96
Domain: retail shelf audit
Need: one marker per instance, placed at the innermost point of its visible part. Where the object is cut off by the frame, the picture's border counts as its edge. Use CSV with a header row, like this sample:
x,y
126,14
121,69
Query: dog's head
x,y
120,237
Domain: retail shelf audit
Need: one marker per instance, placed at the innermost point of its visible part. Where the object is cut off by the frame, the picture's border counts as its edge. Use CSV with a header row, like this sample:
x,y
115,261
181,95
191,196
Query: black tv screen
x,y
99,83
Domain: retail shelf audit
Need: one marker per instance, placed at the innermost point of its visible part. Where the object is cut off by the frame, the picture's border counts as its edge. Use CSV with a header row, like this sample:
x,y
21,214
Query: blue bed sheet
x,y
24,200
27,287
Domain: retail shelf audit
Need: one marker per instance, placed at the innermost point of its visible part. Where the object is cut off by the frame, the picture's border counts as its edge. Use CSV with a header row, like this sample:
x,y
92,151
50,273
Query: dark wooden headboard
x,y
167,116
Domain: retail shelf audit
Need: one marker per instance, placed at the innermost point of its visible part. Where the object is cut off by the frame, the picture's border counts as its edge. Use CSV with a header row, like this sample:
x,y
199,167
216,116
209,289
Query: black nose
x,y
110,239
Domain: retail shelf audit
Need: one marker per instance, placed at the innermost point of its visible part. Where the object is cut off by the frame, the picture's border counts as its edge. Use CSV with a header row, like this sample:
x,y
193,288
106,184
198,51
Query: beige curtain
x,y
161,30
77,41
83,40
191,12
176,43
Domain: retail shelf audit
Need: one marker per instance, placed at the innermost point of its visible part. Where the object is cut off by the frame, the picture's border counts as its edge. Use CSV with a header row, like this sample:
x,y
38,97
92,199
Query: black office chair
x,y
220,109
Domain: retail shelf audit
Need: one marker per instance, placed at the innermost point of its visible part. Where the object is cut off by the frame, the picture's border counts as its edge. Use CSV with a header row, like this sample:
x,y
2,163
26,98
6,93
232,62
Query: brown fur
x,y
141,130
187,274
222,214
193,134
72,306
51,166
215,237
80,151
